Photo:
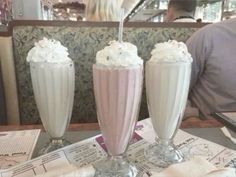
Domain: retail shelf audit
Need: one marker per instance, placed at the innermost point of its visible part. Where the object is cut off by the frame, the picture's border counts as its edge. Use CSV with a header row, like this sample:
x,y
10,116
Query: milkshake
x,y
167,82
52,74
117,77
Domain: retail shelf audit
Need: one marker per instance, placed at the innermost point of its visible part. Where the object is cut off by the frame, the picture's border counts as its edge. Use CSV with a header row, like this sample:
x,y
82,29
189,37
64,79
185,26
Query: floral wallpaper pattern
x,y
82,44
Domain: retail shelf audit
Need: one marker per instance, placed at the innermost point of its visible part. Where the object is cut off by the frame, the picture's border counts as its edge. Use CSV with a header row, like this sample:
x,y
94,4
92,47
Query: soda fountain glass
x,y
53,86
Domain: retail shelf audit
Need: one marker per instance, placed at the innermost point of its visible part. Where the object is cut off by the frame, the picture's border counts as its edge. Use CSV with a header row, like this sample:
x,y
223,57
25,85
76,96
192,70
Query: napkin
x,y
70,171
196,167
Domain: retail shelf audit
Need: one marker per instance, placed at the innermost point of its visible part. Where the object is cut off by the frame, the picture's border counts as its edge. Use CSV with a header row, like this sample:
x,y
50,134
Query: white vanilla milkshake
x,y
52,74
167,83
117,76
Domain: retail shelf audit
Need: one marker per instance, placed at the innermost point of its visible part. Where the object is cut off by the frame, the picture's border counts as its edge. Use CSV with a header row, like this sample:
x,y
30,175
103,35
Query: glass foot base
x,y
115,167
53,145
163,155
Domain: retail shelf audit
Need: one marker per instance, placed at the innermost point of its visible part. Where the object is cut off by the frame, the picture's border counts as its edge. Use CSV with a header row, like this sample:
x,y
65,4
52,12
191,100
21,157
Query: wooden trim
x,y
104,24
6,32
194,122
16,23
189,123
72,127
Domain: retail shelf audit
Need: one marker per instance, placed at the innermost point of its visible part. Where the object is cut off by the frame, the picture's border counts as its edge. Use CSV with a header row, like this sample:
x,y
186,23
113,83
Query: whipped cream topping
x,y
119,54
171,51
48,50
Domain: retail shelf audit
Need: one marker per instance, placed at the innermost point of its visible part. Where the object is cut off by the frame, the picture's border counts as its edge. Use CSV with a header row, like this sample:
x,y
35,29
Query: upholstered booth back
x,y
83,40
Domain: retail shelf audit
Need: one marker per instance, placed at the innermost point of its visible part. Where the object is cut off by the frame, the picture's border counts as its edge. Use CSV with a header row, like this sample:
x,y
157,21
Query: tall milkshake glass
x,y
53,86
117,88
167,83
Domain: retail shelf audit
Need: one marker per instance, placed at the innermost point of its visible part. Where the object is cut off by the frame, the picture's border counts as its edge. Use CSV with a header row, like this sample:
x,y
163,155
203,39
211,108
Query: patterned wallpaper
x,y
82,43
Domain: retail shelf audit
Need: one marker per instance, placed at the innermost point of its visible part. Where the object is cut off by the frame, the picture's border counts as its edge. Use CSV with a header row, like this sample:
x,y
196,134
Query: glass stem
x,y
164,142
116,161
56,140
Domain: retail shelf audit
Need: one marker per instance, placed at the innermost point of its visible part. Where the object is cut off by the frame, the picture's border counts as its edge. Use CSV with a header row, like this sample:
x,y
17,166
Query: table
x,y
74,135
191,122
211,134
208,129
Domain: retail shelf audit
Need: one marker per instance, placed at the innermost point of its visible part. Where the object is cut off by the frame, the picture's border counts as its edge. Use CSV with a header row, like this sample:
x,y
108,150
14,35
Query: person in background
x,y
102,10
213,80
181,11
